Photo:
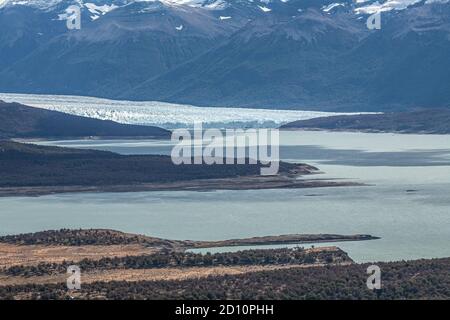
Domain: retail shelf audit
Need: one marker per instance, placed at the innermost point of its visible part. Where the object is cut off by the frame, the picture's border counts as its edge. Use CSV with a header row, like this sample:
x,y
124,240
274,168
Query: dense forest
x,y
31,165
167,258
81,237
421,279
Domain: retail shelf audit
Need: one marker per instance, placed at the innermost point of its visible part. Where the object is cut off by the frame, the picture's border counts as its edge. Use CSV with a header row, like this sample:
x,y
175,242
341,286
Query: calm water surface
x,y
407,202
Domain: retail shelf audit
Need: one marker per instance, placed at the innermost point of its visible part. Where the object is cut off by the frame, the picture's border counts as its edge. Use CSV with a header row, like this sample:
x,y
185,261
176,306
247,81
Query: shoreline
x,y
365,131
32,140
201,185
99,238
280,240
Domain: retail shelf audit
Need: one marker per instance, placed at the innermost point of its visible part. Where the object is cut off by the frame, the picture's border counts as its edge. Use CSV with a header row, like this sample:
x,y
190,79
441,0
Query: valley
x,y
224,150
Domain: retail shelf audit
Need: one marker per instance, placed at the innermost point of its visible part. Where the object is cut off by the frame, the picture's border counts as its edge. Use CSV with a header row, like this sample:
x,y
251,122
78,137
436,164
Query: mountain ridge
x,y
296,54
20,121
435,121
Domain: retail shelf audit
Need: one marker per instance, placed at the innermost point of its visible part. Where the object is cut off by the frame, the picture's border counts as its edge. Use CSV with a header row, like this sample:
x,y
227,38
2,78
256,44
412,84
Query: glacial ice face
x,y
166,115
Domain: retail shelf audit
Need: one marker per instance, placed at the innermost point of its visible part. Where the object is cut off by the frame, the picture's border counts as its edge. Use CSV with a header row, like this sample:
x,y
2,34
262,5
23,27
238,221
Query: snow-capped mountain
x,y
104,6
316,54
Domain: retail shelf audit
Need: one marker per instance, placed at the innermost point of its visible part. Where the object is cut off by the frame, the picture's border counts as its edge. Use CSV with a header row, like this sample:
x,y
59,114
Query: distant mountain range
x,y
426,121
20,121
299,54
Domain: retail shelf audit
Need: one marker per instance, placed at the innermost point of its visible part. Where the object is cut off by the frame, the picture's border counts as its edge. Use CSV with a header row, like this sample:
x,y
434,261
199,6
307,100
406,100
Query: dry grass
x,y
134,275
11,255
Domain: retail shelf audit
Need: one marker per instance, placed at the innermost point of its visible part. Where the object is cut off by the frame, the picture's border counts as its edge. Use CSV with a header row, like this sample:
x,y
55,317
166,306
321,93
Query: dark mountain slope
x,y
429,121
406,64
20,121
23,30
117,52
278,54
317,61
275,61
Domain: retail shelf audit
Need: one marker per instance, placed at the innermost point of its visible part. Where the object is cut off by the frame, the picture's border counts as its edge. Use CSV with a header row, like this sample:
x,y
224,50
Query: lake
x,y
406,202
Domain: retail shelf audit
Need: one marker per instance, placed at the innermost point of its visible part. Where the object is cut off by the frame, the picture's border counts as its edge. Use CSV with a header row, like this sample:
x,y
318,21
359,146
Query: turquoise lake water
x,y
406,202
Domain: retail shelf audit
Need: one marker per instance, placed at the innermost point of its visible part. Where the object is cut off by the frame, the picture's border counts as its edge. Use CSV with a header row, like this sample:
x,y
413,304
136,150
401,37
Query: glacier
x,y
162,114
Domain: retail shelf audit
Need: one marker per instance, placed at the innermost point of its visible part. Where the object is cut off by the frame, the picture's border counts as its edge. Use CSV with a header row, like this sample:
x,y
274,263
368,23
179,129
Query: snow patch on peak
x,y
205,4
331,6
98,11
436,1
388,5
41,4
264,9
